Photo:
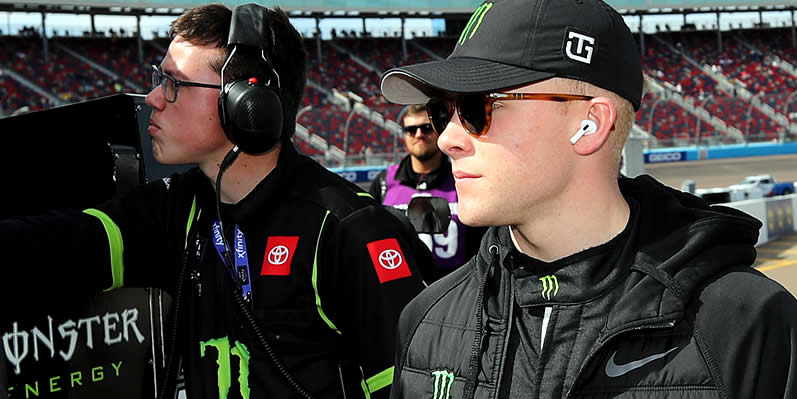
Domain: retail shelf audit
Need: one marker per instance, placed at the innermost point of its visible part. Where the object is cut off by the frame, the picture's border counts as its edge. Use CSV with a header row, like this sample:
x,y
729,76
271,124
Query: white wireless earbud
x,y
587,127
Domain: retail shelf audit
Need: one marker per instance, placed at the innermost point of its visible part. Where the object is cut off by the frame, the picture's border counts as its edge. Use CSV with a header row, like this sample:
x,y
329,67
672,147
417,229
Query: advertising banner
x,y
100,348
79,345
672,156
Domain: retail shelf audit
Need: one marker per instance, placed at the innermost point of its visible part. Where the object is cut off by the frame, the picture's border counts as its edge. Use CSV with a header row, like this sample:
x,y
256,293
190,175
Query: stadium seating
x,y
680,58
669,121
124,61
16,96
61,74
751,59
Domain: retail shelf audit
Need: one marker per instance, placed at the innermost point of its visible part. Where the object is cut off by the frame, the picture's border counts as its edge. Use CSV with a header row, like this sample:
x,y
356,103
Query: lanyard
x,y
241,258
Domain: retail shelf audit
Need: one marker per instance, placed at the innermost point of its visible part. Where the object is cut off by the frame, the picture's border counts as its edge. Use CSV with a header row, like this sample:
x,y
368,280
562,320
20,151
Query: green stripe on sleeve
x,y
379,381
190,221
315,279
366,195
365,390
116,246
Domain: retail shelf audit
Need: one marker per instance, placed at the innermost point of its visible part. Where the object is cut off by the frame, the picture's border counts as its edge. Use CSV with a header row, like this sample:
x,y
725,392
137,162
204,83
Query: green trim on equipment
x,y
315,279
378,381
116,246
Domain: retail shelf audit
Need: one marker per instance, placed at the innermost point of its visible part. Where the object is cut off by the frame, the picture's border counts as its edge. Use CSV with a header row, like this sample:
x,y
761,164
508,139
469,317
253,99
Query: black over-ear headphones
x,y
250,110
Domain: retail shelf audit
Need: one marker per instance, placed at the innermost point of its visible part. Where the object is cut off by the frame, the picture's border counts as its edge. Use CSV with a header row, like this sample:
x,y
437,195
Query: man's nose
x,y
455,140
155,98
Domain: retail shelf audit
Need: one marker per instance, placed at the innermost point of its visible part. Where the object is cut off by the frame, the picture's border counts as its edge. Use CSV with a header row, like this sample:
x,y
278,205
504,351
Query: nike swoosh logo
x,y
615,370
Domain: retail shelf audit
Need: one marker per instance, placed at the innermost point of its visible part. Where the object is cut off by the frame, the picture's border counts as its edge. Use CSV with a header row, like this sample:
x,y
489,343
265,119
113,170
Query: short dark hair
x,y
209,24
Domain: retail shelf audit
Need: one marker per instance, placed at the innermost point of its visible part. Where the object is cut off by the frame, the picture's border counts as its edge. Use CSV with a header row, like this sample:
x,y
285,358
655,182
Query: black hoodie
x,y
668,308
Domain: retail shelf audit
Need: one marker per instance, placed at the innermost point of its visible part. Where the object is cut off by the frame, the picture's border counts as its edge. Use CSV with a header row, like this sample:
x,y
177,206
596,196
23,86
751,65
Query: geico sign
x,y
350,176
665,157
372,173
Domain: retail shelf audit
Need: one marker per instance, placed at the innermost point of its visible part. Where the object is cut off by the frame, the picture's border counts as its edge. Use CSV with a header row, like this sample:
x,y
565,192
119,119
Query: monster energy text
x,y
65,382
42,342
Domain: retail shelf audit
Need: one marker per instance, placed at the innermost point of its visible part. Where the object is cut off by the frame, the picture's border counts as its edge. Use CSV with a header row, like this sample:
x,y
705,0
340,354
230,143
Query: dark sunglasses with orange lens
x,y
475,111
426,128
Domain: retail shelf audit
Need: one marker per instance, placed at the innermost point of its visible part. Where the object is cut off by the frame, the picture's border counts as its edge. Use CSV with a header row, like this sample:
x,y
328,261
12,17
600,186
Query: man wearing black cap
x,y
588,286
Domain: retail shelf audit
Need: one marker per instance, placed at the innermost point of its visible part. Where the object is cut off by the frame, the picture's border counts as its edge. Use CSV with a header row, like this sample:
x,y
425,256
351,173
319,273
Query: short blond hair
x,y
413,109
625,112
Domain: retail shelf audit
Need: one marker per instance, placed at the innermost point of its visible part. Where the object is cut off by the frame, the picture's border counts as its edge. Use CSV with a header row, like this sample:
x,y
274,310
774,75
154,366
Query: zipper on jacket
x,y
545,319
474,362
342,384
596,349
500,362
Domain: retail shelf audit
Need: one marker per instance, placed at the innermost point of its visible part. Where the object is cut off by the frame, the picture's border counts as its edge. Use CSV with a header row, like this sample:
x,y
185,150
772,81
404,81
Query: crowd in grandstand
x,y
694,67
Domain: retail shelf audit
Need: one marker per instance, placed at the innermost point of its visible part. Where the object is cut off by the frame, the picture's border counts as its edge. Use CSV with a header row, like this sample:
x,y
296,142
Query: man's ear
x,y
602,113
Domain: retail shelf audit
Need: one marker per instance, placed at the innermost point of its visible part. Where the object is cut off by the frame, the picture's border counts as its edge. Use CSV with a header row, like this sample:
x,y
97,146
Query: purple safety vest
x,y
447,248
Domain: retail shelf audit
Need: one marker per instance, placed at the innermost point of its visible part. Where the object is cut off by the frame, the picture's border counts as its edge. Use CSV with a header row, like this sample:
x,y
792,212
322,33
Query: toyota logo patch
x,y
390,259
278,255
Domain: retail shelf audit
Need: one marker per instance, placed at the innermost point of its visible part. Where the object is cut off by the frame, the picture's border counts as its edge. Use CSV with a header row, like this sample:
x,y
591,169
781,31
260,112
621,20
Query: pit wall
x,y
775,213
680,154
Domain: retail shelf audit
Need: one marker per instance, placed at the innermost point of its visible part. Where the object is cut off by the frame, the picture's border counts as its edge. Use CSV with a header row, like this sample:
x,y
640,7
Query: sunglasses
x,y
475,111
426,128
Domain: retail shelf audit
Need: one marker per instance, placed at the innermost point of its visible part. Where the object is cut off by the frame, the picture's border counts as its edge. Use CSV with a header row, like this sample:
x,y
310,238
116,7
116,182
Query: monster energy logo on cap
x,y
474,22
550,286
442,384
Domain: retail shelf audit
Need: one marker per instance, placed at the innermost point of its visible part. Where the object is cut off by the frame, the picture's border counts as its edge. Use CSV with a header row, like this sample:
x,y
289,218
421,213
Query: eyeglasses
x,y
426,128
170,85
476,110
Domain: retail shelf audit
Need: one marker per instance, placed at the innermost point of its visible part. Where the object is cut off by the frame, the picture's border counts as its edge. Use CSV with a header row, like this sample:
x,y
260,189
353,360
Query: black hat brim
x,y
416,84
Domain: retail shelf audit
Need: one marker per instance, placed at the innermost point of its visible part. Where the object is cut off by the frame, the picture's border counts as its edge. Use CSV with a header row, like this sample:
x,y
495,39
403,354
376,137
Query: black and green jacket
x,y
328,305
670,308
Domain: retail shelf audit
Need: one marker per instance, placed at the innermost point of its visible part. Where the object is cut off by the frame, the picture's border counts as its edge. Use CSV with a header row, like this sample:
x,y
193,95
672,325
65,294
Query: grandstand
x,y
704,86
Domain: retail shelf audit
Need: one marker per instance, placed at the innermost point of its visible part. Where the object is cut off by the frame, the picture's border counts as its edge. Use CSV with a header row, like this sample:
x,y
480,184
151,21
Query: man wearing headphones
x,y
426,171
587,286
287,280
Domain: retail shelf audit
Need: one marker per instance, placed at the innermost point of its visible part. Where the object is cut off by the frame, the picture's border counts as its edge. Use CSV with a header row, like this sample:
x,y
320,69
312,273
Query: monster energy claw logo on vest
x,y
442,384
474,22
224,372
550,286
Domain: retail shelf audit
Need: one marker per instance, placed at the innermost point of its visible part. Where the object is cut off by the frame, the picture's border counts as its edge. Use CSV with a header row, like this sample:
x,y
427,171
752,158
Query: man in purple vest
x,y
425,171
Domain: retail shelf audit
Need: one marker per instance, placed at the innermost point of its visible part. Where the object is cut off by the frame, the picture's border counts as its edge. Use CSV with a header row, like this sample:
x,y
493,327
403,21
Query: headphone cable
x,y
225,163
238,293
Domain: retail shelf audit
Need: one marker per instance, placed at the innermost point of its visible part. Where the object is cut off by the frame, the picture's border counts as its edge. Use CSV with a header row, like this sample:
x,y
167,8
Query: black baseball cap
x,y
508,43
